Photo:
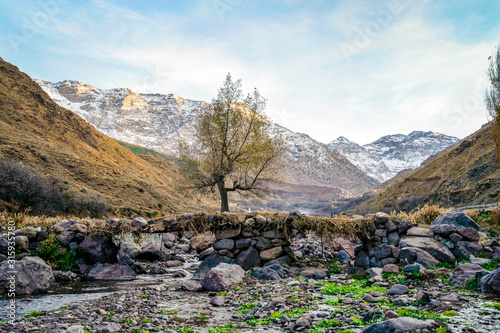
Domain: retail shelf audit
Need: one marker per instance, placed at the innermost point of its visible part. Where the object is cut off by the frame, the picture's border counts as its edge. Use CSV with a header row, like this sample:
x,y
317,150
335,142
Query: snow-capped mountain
x,y
159,122
387,156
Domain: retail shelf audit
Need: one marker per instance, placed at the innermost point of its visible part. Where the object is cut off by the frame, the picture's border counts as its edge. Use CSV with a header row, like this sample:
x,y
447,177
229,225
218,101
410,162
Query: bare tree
x,y
492,98
234,150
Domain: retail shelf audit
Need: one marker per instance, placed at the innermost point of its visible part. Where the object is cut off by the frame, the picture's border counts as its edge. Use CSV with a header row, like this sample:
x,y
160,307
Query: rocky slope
x,y
159,121
58,143
386,157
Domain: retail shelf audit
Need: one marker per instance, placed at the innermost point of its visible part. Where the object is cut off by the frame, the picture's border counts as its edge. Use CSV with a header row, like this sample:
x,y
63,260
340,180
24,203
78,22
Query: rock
x,y
139,223
451,297
60,276
273,234
4,246
381,251
456,217
224,244
22,243
32,275
248,258
153,251
403,227
390,226
111,272
496,255
217,301
243,243
169,237
98,249
470,234
361,259
303,321
420,232
174,263
224,234
279,261
416,267
130,248
411,255
78,228
389,314
393,238
398,289
75,329
382,217
381,232
29,232
62,225
423,296
263,244
390,268
454,237
107,327
315,273
478,261
266,273
399,325
465,249
463,273
403,301
210,262
223,277
375,271
444,229
370,299
374,262
271,254
431,246
490,283
191,286
201,242
388,261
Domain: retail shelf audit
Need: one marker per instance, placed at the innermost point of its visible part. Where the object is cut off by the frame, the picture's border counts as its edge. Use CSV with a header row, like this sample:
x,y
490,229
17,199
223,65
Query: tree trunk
x,y
224,203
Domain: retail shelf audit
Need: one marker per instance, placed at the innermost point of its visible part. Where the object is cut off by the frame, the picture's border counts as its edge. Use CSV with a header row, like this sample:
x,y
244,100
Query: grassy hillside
x,y
56,142
467,173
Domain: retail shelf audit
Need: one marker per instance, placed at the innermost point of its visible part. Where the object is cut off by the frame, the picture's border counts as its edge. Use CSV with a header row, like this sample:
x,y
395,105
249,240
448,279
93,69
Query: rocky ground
x,y
306,285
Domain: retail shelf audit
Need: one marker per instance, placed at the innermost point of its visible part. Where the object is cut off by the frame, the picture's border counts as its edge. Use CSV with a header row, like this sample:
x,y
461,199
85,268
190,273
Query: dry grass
x,y
473,214
426,214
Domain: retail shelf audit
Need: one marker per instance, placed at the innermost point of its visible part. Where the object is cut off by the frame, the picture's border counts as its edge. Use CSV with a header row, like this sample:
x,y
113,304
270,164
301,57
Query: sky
x,y
359,69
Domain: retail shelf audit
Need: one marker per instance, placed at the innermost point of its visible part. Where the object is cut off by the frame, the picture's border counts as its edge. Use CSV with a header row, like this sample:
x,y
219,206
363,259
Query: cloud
x,y
410,72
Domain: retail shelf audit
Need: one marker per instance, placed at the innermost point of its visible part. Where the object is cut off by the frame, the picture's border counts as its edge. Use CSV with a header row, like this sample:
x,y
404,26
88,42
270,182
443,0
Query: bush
x,y
56,257
428,213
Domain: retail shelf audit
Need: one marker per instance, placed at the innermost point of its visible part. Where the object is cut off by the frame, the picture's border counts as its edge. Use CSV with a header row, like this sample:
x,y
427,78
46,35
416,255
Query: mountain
x,y
57,143
466,173
386,157
159,121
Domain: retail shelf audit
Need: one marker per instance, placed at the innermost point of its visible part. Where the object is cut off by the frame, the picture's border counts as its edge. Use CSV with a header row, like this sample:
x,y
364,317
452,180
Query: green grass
x,y
333,302
357,321
138,150
262,321
471,284
495,305
328,323
295,313
336,266
162,312
246,307
356,287
222,293
450,313
445,265
419,314
227,328
184,330
441,330
127,321
51,252
490,266
145,320
174,311
33,314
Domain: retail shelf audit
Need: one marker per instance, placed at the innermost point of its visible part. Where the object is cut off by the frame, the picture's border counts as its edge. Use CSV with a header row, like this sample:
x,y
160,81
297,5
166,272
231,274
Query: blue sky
x,y
361,69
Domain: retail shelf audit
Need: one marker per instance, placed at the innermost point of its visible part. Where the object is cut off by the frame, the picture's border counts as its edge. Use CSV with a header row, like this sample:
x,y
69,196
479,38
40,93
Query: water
x,y
78,292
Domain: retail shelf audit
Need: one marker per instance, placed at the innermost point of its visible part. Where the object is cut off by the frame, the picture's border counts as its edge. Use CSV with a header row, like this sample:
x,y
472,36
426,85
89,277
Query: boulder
x,y
224,244
315,273
60,276
98,249
267,273
399,325
114,272
248,258
224,234
32,275
456,217
390,268
153,251
130,248
191,286
201,242
463,273
263,244
271,254
393,238
217,301
62,225
398,289
465,249
223,277
78,228
429,245
390,226
107,327
403,227
243,243
139,223
381,251
29,232
420,232
469,234
4,246
454,237
490,283
210,262
444,229
273,234
22,243
411,255
362,259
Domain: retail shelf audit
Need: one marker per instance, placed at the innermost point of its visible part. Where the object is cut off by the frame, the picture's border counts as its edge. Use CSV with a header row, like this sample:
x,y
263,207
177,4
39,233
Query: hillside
x,y
56,142
467,173
159,122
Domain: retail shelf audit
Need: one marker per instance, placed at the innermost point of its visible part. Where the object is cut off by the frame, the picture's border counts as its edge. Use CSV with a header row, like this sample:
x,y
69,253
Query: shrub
x,y
428,213
55,256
